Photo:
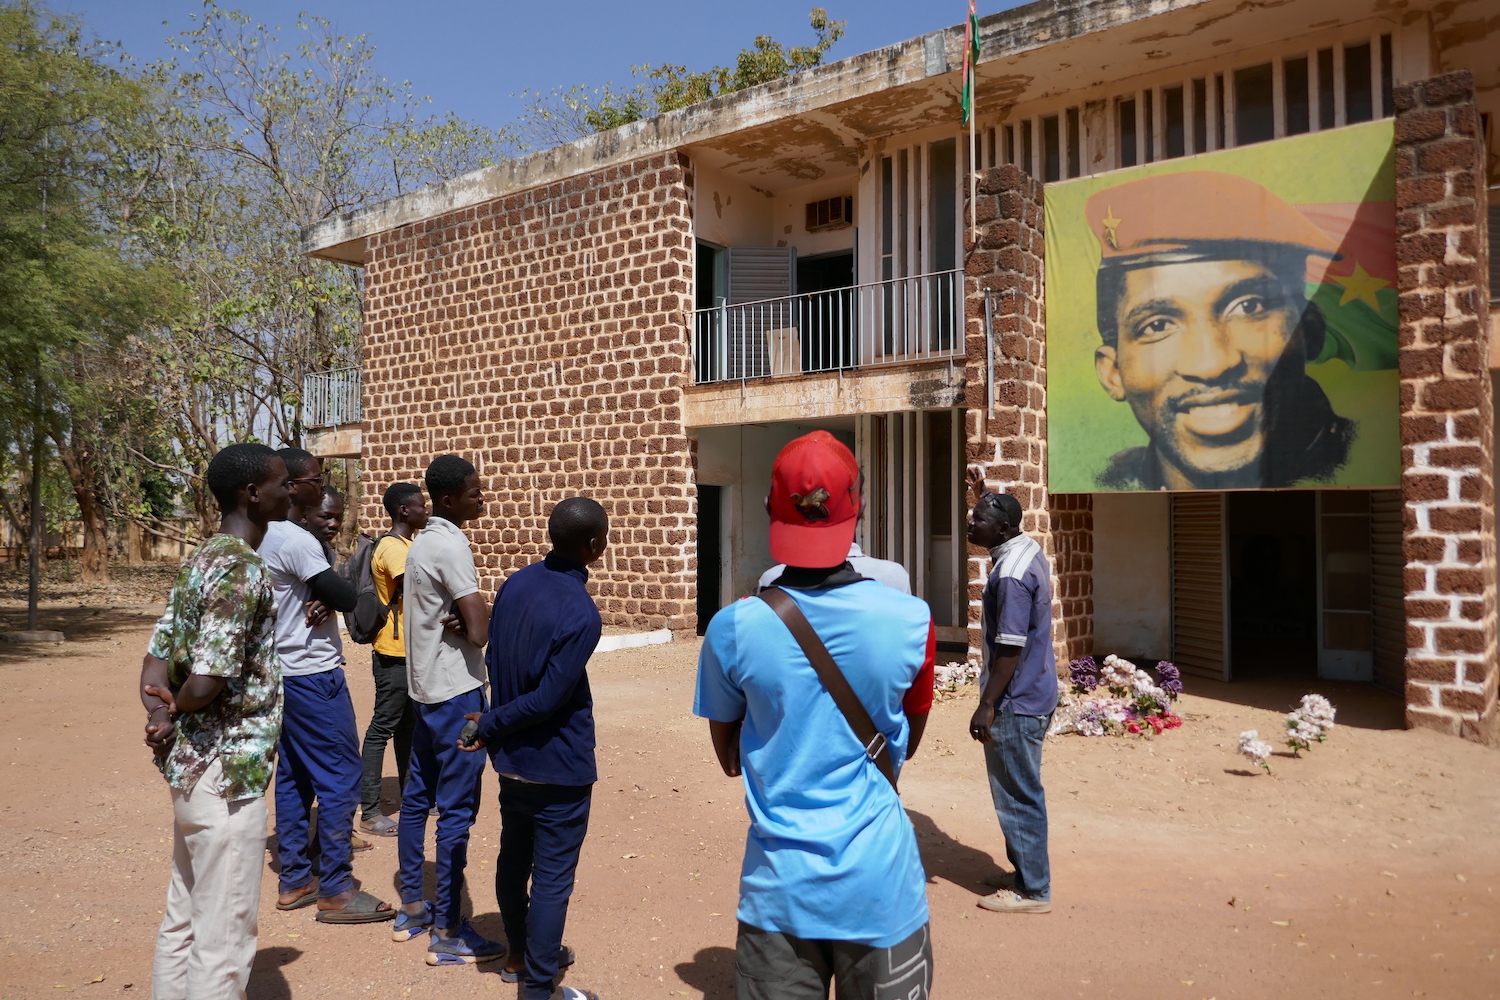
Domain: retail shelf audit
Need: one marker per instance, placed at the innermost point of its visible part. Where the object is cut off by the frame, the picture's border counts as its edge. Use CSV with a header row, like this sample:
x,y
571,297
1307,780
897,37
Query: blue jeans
x,y
1013,758
445,776
541,833
318,759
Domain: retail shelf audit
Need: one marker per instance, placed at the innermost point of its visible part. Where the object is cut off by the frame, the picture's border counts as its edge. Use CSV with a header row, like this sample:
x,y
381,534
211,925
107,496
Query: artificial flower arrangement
x,y
949,677
1308,723
1117,698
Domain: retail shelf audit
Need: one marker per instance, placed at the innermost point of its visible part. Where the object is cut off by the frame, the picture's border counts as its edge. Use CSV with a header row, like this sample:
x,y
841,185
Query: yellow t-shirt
x,y
388,564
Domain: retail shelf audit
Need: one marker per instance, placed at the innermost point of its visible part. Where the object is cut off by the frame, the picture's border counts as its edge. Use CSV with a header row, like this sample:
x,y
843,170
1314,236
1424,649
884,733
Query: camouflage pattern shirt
x,y
221,622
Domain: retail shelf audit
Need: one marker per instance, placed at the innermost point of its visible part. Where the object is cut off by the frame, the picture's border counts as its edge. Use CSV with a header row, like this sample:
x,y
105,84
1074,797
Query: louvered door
x,y
1200,585
761,281
1388,589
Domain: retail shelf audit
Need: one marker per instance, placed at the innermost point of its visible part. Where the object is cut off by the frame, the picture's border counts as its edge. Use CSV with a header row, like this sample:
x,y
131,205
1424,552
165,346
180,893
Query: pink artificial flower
x,y
1133,727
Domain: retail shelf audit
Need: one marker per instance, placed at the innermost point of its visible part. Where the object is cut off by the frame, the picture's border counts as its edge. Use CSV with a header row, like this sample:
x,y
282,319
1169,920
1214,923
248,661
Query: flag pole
x,y
973,178
971,88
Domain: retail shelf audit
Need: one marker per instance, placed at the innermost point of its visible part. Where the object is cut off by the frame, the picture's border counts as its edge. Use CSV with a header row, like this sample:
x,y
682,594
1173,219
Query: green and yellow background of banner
x,y
1343,180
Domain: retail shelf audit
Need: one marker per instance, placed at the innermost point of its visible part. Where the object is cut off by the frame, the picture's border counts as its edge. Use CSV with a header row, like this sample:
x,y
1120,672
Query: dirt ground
x,y
1369,867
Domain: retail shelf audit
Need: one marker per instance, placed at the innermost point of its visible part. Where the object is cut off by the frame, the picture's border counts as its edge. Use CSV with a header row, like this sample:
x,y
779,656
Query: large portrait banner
x,y
1227,320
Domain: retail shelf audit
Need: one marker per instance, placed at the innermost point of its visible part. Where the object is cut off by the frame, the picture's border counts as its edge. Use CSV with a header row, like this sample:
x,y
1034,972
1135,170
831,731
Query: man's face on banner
x,y
1197,343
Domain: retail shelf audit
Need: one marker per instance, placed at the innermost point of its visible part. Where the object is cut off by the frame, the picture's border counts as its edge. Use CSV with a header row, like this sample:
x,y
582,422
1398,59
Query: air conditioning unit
x,y
830,213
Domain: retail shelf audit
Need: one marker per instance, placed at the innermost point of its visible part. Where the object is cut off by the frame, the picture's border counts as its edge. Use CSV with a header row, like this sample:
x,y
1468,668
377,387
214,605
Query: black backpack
x,y
369,615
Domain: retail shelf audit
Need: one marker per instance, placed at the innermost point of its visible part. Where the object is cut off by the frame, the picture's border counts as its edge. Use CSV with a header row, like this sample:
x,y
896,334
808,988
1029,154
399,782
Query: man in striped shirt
x,y
1018,695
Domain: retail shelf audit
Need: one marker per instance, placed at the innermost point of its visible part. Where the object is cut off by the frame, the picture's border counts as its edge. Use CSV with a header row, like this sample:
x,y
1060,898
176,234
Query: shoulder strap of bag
x,y
395,594
833,679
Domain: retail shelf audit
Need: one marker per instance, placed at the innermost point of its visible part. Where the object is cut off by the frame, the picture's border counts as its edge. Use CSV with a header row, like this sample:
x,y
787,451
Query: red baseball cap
x,y
814,502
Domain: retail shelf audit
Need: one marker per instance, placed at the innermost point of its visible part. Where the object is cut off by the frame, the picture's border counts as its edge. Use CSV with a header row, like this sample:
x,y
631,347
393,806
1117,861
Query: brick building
x,y
648,314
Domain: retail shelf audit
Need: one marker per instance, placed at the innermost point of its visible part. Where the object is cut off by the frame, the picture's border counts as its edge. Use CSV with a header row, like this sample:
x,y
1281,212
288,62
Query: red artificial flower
x,y
1133,727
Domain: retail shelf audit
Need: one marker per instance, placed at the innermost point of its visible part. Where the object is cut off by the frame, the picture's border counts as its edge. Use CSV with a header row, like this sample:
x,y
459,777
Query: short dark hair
x,y
576,520
445,476
397,494
298,461
330,492
1005,505
235,467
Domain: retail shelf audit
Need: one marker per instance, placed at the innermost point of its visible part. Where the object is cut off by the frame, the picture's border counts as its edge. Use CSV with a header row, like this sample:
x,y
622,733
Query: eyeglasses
x,y
309,479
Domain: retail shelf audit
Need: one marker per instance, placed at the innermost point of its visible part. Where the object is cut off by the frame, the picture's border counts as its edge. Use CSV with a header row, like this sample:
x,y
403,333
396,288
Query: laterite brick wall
x,y
1010,446
1447,410
544,336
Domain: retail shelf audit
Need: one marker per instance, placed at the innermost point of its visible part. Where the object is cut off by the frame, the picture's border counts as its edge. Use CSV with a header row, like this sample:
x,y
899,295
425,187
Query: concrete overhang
x,y
802,127
926,385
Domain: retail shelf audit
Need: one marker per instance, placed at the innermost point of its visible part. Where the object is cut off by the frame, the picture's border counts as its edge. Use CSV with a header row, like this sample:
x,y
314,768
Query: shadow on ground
x,y
1363,706
267,982
949,859
712,971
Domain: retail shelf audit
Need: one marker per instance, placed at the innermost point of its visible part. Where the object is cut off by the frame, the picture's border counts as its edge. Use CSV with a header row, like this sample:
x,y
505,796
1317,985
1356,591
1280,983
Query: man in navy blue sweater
x,y
540,736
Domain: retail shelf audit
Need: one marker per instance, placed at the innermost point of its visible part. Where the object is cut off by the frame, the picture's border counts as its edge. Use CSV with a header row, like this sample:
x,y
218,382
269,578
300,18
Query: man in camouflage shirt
x,y
211,685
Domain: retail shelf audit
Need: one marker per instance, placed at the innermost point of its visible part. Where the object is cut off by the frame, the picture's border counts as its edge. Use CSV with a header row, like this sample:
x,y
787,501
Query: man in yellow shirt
x,y
392,718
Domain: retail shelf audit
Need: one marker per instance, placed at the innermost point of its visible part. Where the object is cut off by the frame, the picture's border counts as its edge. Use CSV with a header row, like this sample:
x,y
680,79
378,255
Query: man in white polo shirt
x,y
446,621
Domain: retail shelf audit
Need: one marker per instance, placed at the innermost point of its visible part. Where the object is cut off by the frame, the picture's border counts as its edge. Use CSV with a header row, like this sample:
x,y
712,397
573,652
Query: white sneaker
x,y
569,993
1010,901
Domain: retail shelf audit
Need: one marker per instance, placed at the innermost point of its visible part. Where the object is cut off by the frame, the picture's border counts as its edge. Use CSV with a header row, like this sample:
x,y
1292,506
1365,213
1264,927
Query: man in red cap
x,y
1207,333
832,887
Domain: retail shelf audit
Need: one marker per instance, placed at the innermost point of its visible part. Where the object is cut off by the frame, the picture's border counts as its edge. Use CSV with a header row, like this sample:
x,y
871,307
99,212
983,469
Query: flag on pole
x,y
971,60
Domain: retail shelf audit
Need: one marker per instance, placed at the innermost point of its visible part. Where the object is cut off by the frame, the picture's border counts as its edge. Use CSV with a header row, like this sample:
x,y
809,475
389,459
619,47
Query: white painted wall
x,y
789,224
729,212
1132,574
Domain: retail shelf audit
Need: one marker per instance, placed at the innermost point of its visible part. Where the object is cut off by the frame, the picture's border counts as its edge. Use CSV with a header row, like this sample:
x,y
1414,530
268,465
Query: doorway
x,y
710,552
1273,584
825,310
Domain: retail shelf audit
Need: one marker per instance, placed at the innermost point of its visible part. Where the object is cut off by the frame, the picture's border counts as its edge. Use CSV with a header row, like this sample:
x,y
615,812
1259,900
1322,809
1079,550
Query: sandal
x,y
308,898
565,958
362,909
380,826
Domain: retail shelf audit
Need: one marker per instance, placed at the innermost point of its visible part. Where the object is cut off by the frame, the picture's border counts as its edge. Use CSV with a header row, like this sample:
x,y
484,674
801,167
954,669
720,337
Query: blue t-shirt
x,y
543,629
1017,606
830,854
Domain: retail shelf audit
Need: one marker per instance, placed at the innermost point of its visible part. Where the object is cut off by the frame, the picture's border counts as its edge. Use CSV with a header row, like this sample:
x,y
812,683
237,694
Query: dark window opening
x,y
1325,88
1386,81
1359,100
1148,127
1010,144
1127,133
1200,116
1075,144
1051,150
1026,162
1254,113
942,201
1294,86
710,559
1176,122
1223,140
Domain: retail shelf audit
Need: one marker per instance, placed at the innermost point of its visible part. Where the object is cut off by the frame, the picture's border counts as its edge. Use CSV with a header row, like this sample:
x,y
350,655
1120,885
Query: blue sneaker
x,y
464,948
409,925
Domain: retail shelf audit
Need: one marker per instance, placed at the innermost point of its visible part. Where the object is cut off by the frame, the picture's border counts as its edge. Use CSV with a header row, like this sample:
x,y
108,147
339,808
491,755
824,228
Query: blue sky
x,y
470,56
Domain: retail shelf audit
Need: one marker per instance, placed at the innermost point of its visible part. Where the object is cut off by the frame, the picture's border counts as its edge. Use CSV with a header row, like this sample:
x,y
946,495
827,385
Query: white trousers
x,y
207,939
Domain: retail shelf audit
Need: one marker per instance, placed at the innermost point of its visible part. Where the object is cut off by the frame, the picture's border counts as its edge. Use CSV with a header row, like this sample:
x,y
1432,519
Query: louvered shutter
x,y
756,275
1388,589
1200,585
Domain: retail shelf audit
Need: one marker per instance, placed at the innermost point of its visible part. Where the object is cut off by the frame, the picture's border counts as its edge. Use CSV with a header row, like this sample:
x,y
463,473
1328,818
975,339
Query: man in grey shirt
x,y
882,571
446,621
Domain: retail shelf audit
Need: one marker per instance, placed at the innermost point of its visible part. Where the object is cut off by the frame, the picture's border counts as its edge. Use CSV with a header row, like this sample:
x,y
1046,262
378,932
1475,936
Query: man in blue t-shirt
x,y
832,887
1018,692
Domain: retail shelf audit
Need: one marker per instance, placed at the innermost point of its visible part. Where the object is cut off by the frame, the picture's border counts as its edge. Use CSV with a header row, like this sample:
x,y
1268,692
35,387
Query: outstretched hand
x,y
974,477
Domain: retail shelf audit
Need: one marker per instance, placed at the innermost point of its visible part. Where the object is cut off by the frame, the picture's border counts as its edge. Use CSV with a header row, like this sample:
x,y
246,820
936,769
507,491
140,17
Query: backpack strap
x,y
837,685
395,595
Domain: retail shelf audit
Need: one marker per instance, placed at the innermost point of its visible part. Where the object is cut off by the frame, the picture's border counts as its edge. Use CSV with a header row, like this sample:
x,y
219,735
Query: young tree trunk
x,y
76,451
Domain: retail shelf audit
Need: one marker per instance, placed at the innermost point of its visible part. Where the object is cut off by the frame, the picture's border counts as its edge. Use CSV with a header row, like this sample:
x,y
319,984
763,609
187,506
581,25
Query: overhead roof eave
x,y
1004,35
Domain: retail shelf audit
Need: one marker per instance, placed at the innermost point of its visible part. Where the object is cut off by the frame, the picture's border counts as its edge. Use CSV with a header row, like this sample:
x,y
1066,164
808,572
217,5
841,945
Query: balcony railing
x,y
883,322
331,399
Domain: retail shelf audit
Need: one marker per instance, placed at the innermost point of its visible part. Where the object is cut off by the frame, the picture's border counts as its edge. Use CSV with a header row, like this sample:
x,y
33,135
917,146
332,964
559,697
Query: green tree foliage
x,y
569,113
73,291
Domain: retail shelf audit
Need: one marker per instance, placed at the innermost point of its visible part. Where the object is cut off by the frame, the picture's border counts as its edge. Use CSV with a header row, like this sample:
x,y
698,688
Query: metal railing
x,y
882,322
331,398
